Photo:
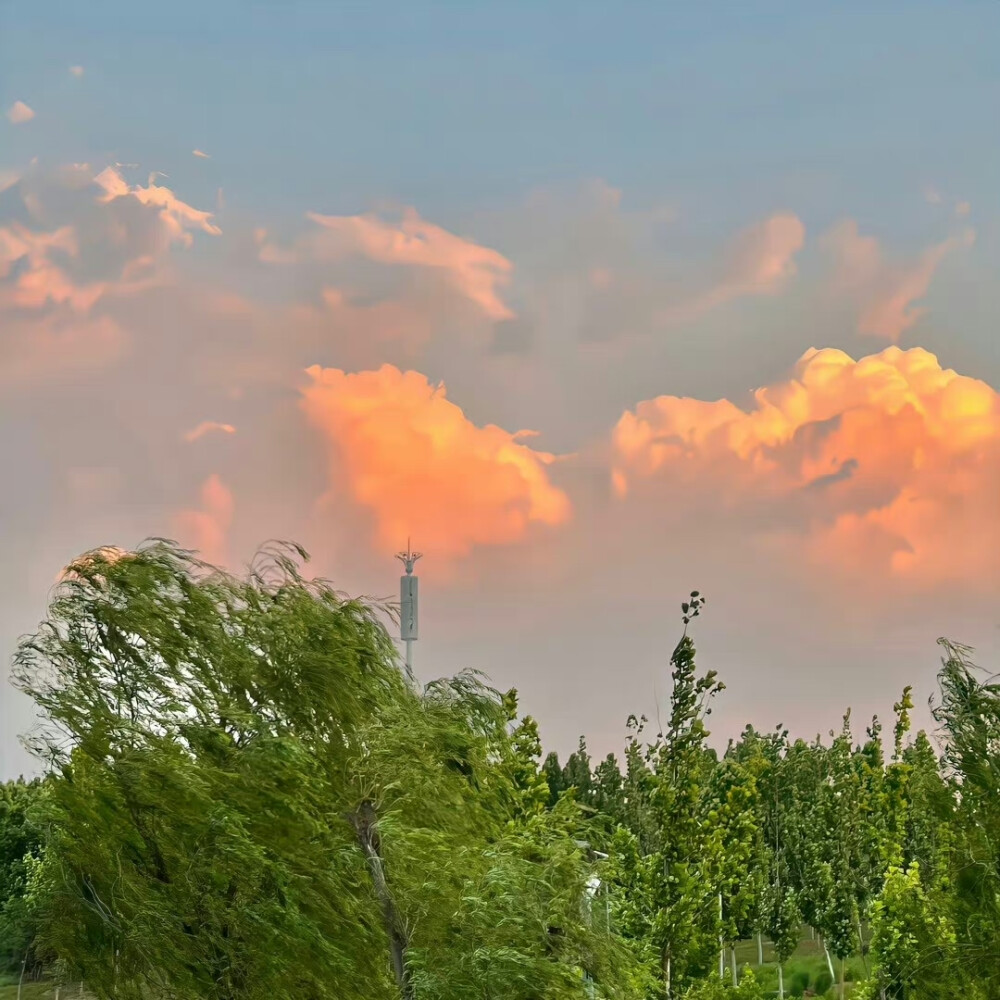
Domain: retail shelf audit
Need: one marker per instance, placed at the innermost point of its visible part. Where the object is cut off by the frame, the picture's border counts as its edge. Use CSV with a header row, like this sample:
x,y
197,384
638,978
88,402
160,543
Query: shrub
x,y
715,989
798,983
823,982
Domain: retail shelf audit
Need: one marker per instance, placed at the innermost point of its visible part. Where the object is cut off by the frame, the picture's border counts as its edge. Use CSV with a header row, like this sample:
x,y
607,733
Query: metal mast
x,y
408,602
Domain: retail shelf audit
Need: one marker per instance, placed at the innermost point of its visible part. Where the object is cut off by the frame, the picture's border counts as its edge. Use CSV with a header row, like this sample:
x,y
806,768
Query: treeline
x,y
246,796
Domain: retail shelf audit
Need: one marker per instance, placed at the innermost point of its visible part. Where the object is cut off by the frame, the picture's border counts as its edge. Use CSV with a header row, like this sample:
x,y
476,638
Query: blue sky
x,y
333,105
608,203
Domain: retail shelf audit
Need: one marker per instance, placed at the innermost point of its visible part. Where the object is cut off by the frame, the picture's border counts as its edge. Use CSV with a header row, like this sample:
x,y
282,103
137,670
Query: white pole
x,y
722,945
409,654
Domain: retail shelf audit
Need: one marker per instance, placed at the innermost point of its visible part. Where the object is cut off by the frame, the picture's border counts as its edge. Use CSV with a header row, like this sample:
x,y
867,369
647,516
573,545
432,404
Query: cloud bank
x,y
888,465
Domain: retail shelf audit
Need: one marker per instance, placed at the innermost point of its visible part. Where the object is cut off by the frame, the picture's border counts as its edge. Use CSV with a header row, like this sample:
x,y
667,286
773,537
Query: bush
x,y
798,983
715,989
823,982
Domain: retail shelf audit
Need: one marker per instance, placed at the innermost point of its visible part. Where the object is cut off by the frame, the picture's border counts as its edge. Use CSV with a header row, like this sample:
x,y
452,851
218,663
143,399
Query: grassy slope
x,y
808,960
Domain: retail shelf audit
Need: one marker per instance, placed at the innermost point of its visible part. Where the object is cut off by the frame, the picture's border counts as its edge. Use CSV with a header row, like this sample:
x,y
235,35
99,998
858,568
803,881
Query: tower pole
x,y
408,630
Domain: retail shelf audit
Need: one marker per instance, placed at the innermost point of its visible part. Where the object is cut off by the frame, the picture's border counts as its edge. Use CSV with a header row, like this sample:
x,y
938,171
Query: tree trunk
x,y
365,823
829,962
666,971
842,963
760,949
20,981
732,963
781,982
861,945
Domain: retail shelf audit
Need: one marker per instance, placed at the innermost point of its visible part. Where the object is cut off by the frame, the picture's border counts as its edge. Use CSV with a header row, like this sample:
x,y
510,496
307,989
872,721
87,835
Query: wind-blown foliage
x,y
250,799
247,796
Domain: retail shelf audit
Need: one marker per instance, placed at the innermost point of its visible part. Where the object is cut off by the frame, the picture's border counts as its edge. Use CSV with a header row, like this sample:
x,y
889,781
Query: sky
x,y
597,304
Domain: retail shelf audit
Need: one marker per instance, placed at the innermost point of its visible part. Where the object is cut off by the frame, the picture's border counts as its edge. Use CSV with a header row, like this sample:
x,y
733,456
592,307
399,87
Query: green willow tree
x,y
249,799
969,716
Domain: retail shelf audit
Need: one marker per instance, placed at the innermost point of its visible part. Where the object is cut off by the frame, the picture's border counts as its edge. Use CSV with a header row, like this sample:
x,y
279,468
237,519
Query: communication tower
x,y
408,602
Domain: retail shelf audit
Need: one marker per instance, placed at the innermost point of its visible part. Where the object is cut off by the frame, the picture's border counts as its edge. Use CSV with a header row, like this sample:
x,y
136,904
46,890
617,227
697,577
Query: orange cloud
x,y
77,71
477,272
208,427
886,292
177,216
888,463
19,113
207,529
413,458
200,154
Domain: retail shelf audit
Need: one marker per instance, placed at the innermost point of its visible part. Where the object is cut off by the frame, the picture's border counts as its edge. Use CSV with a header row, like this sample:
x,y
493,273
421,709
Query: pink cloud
x,y
19,113
886,292
76,71
43,261
177,216
208,427
206,529
67,253
271,253
477,272
200,154
760,260
42,281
